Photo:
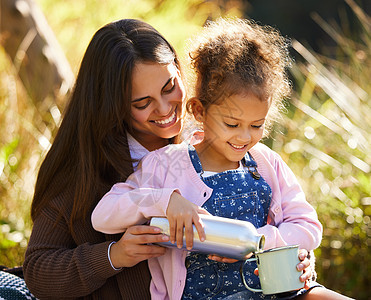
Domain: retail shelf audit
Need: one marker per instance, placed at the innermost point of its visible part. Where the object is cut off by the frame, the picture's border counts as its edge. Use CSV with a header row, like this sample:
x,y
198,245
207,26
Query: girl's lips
x,y
238,147
168,121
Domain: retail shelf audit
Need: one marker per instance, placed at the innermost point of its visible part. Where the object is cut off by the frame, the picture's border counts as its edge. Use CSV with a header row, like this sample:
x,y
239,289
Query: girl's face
x,y
156,103
231,129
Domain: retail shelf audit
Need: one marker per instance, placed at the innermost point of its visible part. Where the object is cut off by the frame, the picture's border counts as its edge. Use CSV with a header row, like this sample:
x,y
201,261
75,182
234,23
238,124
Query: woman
x,y
116,97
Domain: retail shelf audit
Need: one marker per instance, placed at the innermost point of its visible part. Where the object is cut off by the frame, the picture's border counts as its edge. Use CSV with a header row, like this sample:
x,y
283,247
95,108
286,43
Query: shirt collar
x,y
137,151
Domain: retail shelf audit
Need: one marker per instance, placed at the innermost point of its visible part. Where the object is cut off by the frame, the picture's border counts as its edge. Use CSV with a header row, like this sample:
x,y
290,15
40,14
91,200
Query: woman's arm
x,y
55,267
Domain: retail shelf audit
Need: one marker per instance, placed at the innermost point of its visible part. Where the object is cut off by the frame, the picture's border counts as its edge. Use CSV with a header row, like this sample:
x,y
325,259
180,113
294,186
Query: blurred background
x,y
324,135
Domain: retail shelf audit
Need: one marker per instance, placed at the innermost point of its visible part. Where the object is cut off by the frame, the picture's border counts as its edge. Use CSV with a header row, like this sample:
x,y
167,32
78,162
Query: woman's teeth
x,y
166,121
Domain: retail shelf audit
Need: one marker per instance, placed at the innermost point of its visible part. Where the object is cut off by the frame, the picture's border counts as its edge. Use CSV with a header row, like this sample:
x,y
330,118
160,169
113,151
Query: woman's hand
x,y
182,214
135,246
304,266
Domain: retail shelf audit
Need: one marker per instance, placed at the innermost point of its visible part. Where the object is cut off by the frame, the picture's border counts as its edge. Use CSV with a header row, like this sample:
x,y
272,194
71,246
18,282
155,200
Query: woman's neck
x,y
151,143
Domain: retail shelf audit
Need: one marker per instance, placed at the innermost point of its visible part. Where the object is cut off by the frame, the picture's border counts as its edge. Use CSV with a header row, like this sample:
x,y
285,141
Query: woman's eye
x,y
257,126
168,89
141,107
231,125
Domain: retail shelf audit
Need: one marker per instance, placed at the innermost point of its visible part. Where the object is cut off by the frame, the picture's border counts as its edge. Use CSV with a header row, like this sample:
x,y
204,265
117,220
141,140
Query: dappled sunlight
x,y
325,136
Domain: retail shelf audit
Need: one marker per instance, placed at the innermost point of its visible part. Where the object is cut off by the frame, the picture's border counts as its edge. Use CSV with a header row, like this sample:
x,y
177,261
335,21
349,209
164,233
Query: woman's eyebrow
x,y
139,99
145,97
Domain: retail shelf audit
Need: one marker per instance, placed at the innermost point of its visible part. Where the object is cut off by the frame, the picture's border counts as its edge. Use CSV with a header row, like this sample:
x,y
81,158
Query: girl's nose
x,y
244,136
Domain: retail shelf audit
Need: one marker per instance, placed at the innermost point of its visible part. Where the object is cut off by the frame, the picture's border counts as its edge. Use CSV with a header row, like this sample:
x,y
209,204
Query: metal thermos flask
x,y
225,237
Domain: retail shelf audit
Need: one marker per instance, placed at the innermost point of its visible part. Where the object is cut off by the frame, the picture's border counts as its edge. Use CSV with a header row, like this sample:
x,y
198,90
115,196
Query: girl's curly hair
x,y
238,56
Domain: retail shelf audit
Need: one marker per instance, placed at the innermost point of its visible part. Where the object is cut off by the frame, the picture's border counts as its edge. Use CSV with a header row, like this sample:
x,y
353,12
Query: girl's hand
x,y
135,246
226,259
182,214
304,266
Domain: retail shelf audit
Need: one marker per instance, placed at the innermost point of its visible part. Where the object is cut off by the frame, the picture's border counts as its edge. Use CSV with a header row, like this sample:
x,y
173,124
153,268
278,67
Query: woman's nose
x,y
163,107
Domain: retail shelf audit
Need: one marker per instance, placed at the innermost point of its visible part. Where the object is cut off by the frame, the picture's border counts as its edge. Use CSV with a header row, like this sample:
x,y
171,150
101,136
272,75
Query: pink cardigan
x,y
291,219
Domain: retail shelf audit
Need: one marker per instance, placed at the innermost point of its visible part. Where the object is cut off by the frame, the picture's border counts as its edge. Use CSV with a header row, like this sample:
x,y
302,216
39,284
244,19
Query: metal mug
x,y
277,270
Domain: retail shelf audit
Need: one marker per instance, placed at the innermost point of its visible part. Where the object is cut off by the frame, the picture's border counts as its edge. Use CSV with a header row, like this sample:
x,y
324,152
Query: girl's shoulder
x,y
171,152
262,150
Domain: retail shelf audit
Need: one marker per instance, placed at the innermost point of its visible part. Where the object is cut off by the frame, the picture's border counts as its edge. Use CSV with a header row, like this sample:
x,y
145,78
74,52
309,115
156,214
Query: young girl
x,y
241,81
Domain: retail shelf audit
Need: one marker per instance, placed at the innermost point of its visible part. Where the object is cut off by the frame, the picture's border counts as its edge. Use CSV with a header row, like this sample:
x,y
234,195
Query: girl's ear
x,y
198,109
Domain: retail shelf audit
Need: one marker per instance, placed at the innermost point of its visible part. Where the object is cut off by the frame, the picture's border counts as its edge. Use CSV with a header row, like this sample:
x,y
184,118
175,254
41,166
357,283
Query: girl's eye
x,y
141,107
257,126
231,125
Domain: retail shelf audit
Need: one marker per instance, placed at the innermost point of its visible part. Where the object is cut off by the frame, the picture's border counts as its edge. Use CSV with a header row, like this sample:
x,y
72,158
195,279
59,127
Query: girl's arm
x,y
143,196
134,201
292,220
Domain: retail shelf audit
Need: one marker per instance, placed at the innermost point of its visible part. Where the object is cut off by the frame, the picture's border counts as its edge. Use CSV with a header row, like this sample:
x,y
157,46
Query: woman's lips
x,y
168,121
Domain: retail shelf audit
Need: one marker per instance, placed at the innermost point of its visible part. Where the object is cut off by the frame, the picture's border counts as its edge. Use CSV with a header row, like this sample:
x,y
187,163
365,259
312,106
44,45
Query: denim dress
x,y
237,194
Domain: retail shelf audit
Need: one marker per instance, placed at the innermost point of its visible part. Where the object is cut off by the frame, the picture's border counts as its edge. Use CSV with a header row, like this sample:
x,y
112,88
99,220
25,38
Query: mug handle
x,y
243,276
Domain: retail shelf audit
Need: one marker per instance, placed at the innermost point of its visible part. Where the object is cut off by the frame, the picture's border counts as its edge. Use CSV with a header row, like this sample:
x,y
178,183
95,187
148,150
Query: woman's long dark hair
x,y
90,151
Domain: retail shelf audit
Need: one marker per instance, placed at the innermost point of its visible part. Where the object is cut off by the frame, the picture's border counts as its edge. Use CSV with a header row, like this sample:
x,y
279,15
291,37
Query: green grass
x,y
327,142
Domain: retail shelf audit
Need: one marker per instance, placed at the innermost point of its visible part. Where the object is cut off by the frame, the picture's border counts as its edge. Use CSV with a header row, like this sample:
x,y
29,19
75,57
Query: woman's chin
x,y
168,133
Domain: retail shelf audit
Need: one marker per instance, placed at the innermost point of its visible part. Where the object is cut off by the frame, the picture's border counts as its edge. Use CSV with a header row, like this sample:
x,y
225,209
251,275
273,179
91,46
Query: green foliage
x,y
327,143
27,130
75,22
326,136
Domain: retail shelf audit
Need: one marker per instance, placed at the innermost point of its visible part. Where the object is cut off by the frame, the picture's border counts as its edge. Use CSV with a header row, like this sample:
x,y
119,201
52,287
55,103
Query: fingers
x,y
247,256
143,234
307,274
184,228
303,254
199,227
304,265
188,232
143,229
179,234
203,211
172,229
150,251
222,259
182,214
136,245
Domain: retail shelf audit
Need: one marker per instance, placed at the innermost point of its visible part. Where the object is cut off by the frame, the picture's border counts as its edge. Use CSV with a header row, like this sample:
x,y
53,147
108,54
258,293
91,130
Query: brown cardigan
x,y
62,265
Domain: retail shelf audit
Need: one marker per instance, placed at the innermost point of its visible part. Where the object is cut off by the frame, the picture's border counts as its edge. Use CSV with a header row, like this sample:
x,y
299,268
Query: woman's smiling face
x,y
156,103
